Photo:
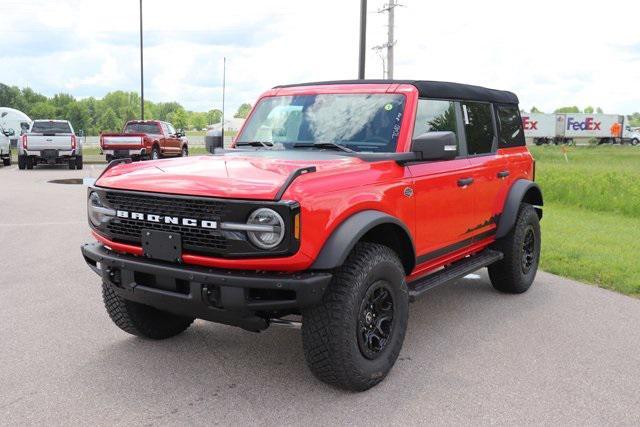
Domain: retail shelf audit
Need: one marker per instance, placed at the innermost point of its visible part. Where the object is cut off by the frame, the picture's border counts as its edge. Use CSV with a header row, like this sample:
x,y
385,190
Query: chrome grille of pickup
x,y
194,239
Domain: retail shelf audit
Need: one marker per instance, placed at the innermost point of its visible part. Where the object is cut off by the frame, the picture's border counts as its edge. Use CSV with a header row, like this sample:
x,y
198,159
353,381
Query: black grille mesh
x,y
193,239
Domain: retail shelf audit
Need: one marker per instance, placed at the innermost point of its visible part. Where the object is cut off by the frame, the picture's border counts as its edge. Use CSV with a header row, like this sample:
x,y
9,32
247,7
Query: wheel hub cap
x,y
375,320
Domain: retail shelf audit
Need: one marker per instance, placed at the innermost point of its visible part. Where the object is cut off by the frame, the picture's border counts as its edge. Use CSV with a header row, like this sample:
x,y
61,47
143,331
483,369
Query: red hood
x,y
256,175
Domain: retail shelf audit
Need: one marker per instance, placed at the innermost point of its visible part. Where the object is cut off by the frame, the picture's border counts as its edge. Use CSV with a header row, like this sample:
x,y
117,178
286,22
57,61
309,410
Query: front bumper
x,y
233,297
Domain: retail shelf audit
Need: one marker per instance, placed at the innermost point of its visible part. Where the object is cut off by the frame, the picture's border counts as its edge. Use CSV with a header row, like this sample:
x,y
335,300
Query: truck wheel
x,y
7,160
30,162
72,164
155,153
108,158
635,141
514,274
352,339
184,152
142,320
22,162
78,162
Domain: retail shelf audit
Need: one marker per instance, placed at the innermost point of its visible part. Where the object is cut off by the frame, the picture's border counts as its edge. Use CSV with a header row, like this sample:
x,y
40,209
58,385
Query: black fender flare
x,y
521,190
338,246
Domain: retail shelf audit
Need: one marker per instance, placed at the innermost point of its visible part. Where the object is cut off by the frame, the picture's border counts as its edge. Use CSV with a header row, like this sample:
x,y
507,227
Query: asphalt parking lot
x,y
563,353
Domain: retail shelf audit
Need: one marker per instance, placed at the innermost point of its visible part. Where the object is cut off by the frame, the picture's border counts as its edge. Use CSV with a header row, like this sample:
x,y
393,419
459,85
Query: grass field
x,y
591,224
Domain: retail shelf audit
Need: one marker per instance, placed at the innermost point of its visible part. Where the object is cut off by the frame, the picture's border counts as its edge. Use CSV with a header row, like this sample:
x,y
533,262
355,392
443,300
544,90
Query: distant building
x,y
232,124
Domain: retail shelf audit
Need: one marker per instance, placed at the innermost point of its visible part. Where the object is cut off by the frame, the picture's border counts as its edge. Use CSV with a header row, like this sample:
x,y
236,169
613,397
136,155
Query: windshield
x,y
360,122
51,127
141,128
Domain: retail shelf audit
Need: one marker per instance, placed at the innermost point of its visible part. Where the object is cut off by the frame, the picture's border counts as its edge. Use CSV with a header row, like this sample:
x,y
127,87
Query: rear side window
x,y
435,115
478,126
510,124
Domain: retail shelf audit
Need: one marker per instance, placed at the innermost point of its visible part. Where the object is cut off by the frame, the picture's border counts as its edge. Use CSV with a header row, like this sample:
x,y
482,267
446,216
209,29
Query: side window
x,y
165,129
435,115
478,126
511,133
171,129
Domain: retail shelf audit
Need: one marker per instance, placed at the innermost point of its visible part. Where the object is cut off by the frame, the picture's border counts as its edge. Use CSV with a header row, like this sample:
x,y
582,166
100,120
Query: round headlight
x,y
273,228
98,213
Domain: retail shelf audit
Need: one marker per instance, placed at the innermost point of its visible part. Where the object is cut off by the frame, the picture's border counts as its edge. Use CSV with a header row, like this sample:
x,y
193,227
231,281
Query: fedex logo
x,y
587,124
529,124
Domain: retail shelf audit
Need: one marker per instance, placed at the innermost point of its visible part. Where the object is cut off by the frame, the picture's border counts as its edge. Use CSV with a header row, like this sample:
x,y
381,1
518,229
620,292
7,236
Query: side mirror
x,y
180,133
213,140
81,133
435,146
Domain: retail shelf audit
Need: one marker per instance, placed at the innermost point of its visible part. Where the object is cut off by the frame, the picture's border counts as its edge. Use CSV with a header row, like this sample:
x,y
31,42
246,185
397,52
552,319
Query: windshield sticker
x,y
388,107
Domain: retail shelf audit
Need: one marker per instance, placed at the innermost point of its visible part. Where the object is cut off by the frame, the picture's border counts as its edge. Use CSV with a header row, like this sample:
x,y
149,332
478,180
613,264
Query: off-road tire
x,y
108,158
142,320
22,162
7,160
79,162
184,152
30,162
72,164
635,141
330,329
509,274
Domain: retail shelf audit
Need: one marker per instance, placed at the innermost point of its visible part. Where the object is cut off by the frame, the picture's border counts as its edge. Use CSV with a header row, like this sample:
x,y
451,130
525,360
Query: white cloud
x,y
550,53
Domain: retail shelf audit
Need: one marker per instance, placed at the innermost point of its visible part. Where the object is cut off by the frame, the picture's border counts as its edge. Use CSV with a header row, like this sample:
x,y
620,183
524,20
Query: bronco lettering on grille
x,y
189,222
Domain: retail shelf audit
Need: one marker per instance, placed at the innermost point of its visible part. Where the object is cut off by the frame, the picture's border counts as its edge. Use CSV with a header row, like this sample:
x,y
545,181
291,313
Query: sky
x,y
550,53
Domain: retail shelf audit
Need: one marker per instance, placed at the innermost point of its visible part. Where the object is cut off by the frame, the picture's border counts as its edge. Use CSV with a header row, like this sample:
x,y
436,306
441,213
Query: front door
x,y
444,201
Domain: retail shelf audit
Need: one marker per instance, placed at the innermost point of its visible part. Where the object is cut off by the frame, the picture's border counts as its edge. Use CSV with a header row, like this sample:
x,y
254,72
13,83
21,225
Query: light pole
x,y
141,69
363,38
224,76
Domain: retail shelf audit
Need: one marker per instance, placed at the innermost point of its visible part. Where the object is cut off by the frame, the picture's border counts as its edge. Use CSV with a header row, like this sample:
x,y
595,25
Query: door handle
x,y
463,182
503,174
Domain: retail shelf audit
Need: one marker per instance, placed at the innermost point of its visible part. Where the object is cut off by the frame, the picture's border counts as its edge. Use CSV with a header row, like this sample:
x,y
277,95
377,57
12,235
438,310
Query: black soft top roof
x,y
434,89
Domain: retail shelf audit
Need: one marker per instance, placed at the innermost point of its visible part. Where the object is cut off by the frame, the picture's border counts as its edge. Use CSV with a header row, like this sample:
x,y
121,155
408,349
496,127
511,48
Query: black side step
x,y
455,271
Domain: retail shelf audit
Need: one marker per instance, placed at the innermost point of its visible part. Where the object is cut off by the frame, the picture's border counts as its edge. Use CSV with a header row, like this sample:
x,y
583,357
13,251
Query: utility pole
x,y
363,38
389,8
141,69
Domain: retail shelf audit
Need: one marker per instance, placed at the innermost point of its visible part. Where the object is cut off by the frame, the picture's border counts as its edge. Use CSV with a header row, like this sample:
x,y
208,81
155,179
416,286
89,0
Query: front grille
x,y
193,239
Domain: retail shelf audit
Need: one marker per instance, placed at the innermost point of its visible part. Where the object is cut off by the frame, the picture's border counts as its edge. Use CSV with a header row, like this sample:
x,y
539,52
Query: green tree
x,y
178,119
214,116
535,110
109,121
588,110
197,120
634,119
243,111
573,109
42,110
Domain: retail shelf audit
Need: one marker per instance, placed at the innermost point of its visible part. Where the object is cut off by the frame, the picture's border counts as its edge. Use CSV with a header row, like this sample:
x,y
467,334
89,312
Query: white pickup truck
x,y
5,145
50,142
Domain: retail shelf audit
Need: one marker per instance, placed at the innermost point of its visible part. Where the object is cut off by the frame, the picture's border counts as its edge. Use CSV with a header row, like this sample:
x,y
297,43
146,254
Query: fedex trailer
x,y
540,127
603,127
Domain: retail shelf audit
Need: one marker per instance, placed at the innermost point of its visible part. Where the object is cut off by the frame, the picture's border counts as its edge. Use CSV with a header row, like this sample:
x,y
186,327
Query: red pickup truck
x,y
144,139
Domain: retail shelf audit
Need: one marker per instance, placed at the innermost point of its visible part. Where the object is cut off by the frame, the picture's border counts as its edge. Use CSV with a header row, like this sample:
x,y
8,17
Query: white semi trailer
x,y
566,127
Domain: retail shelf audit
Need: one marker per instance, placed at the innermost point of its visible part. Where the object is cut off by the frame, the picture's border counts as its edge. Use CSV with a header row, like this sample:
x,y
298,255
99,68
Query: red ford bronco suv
x,y
340,202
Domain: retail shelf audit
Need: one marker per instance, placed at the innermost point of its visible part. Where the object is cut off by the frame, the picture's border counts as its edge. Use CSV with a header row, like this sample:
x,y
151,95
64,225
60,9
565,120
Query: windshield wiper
x,y
266,144
330,145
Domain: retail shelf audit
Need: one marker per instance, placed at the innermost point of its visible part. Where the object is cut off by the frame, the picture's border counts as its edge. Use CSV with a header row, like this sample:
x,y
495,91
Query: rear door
x,y
444,204
490,166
